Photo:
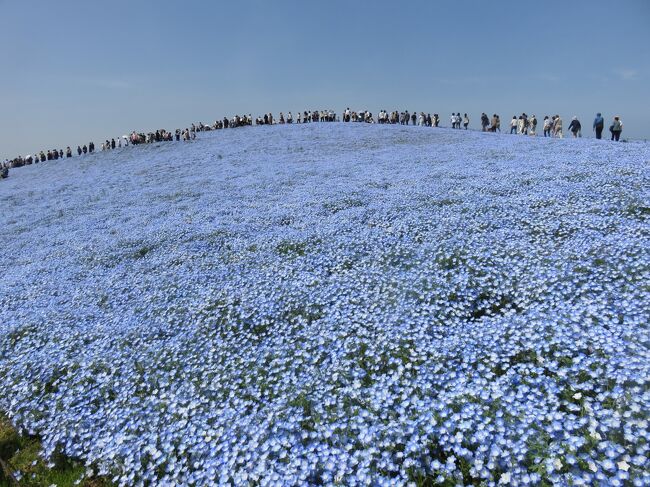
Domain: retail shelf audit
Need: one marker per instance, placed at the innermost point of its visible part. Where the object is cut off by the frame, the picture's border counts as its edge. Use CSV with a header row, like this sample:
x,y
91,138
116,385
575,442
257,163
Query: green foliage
x,y
23,454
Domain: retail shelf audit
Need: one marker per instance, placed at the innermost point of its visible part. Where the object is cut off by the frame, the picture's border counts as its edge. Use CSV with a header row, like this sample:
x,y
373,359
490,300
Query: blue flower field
x,y
334,304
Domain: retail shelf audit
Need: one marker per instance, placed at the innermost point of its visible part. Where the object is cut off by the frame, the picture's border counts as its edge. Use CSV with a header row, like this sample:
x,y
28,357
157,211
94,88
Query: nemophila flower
x,y
384,305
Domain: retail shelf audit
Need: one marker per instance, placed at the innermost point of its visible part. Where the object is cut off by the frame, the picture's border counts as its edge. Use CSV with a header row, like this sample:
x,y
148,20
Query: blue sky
x,y
74,71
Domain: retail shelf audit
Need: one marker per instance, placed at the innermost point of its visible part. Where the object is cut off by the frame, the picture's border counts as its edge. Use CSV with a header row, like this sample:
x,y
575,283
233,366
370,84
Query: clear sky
x,y
74,71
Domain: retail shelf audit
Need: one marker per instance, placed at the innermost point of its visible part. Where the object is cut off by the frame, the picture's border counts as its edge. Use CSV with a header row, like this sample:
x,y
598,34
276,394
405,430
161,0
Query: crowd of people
x,y
520,125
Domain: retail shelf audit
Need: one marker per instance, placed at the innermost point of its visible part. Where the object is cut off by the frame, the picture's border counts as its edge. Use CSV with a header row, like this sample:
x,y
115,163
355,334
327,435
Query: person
x,y
616,128
547,126
599,124
465,121
513,125
68,152
493,123
575,127
533,125
557,127
485,121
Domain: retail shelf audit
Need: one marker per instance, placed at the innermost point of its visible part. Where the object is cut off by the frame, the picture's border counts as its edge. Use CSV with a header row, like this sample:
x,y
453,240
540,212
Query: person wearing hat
x,y
599,124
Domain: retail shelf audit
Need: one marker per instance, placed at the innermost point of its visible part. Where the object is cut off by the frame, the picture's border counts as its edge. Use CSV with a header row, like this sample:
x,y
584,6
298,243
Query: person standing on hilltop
x,y
547,126
599,124
513,125
533,125
493,123
485,121
575,127
557,127
616,128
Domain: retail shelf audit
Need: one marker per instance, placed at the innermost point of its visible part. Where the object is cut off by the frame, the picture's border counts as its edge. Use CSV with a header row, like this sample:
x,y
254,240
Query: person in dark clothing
x,y
68,152
413,118
78,150
113,141
91,147
84,149
599,124
575,127
485,121
616,128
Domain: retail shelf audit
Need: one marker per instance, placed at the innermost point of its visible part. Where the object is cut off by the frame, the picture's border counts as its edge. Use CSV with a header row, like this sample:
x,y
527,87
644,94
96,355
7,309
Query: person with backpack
x,y
599,124
616,128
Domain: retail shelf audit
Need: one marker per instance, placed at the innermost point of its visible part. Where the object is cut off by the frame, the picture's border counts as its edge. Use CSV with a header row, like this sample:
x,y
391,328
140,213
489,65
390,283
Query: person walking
x,y
513,125
520,125
465,121
547,126
616,128
575,127
599,124
557,127
533,125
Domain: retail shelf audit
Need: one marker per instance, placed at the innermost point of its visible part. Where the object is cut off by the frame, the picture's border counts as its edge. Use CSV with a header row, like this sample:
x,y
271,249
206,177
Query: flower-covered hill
x,y
330,303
